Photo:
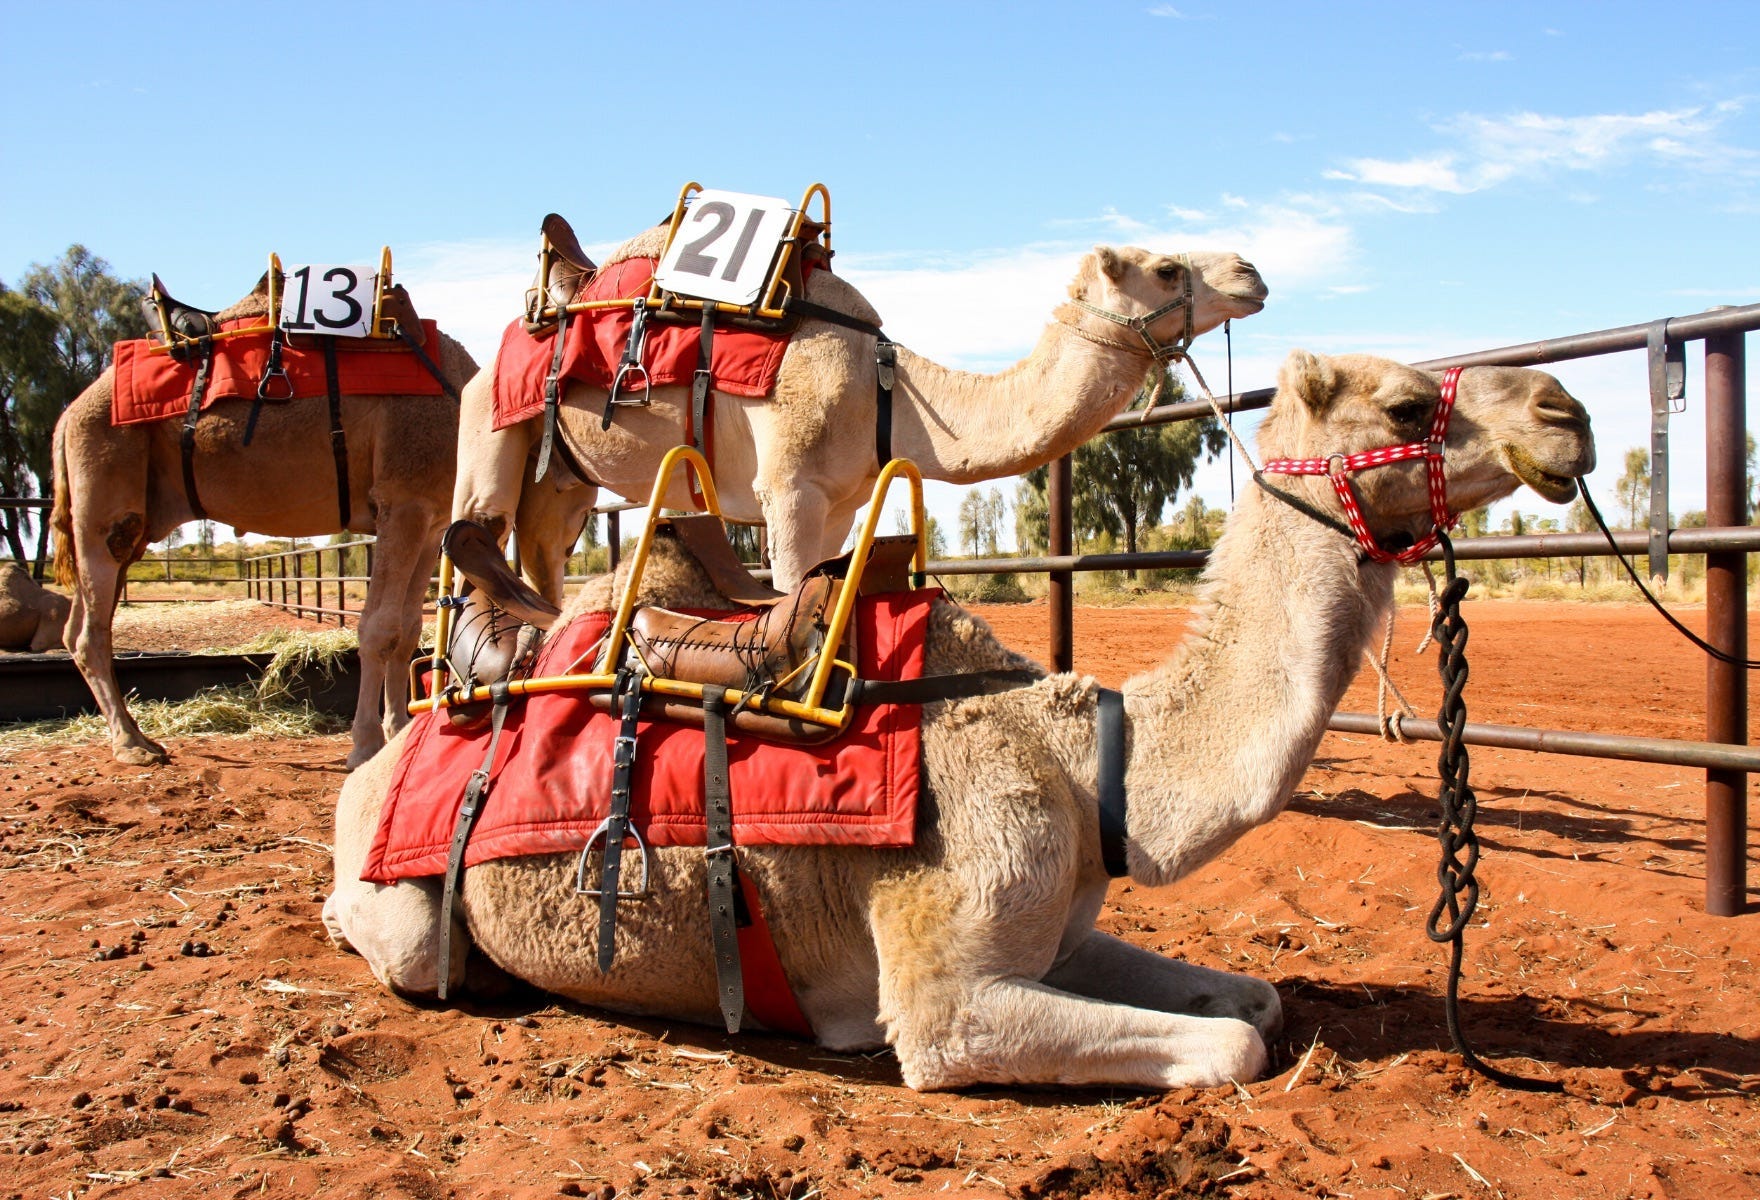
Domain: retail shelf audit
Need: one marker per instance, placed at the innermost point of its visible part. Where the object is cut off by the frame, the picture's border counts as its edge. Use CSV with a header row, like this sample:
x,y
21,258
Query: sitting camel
x,y
31,616
803,458
974,953
119,488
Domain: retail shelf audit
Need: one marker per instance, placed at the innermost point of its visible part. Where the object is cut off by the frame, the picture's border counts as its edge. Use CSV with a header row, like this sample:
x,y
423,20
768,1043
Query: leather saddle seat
x,y
173,321
563,270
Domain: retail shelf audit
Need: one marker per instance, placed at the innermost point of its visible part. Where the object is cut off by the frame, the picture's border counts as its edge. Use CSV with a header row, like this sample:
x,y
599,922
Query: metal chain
x,y
1460,844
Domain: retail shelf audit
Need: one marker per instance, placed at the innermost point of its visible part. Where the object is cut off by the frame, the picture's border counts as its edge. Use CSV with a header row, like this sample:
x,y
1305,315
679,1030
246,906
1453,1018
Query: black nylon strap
x,y
701,384
197,391
818,312
552,396
475,793
718,851
629,699
931,688
338,439
433,368
1111,784
885,362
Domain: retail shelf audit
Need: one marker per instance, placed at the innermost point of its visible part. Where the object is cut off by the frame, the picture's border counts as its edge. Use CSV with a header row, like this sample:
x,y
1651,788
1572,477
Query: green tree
x,y
1126,479
1634,485
981,514
934,537
27,356
92,309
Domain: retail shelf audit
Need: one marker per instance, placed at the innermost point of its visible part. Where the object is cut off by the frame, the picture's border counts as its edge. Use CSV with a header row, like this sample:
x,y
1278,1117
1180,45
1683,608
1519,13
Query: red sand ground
x,y
176,1024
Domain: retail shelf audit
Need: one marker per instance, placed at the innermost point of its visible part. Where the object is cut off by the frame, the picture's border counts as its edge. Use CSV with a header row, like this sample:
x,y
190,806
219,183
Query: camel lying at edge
x,y
974,954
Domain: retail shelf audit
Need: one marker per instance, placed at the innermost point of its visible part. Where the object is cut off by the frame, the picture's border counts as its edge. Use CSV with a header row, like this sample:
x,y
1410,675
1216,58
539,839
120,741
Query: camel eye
x,y
1409,413
1168,271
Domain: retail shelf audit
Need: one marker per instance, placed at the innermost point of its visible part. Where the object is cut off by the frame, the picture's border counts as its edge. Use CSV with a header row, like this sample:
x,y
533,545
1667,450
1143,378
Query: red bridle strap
x,y
1339,467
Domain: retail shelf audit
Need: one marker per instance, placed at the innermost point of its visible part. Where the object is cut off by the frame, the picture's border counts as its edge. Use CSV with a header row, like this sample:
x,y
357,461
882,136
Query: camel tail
x,y
61,515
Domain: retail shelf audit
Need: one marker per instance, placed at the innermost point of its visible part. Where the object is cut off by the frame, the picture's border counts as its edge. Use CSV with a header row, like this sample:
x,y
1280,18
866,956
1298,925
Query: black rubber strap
x,y
338,439
1308,510
1113,801
931,688
718,852
552,396
475,793
197,392
629,700
702,384
885,362
433,368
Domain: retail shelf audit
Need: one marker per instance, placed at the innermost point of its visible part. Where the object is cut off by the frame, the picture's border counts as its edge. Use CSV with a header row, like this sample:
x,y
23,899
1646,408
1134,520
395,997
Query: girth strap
x,y
552,396
885,363
702,384
272,371
628,695
197,391
475,793
719,856
1111,783
338,439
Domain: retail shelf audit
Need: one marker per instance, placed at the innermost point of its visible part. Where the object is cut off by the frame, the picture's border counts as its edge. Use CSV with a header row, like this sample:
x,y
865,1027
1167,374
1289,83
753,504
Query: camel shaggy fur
x,y
803,459
31,616
117,489
974,953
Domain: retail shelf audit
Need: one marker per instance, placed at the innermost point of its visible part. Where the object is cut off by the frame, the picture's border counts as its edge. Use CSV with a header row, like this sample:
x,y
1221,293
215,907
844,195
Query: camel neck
x,y
1221,734
964,427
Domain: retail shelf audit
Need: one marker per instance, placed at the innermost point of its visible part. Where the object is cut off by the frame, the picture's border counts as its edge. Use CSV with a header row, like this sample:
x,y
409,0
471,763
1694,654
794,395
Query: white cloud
x,y
1486,56
1489,151
1168,11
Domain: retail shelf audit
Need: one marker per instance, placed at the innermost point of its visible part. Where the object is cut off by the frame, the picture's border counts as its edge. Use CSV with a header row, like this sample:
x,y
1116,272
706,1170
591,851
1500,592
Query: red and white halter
x,y
1340,467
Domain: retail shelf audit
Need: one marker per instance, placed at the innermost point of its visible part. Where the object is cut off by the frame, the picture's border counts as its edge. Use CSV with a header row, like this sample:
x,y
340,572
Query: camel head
x,y
1510,426
1160,300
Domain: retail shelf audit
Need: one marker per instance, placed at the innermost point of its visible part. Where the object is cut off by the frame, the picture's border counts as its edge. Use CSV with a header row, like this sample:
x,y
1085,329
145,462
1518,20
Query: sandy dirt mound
x,y
175,1018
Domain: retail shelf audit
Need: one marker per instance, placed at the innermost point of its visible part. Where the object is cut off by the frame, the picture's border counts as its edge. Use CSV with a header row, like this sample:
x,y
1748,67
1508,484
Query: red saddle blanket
x,y
551,780
742,361
154,387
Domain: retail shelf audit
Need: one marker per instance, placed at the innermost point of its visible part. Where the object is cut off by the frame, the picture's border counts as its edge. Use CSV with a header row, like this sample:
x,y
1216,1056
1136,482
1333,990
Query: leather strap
x,y
197,392
338,439
629,699
272,371
631,363
702,384
552,396
885,361
931,688
1111,784
719,856
475,793
432,367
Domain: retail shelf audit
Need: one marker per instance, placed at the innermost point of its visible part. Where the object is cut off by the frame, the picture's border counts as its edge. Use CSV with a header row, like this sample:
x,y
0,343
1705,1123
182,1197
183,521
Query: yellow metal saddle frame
x,y
167,340
771,306
810,708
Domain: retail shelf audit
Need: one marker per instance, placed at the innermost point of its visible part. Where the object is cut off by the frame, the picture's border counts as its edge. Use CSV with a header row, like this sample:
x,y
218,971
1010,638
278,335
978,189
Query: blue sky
x,y
1411,179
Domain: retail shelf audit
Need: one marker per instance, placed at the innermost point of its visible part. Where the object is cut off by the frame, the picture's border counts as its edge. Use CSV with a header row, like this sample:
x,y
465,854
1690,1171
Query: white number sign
x,y
331,300
723,248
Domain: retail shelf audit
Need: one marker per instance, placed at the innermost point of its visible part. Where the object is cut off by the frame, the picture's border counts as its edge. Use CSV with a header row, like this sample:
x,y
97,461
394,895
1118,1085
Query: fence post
x,y
613,538
1062,583
1726,622
299,583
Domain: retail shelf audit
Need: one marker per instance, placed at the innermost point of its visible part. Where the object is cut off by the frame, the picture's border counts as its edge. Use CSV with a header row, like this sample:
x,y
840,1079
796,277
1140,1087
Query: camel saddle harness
x,y
765,654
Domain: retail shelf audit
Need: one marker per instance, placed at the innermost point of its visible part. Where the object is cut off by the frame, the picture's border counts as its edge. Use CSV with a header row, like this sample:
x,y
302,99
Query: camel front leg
x,y
407,543
955,1033
492,463
395,927
795,520
1103,967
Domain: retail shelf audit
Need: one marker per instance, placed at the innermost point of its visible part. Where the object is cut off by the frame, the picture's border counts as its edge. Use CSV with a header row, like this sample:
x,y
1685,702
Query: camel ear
x,y
1110,264
1309,377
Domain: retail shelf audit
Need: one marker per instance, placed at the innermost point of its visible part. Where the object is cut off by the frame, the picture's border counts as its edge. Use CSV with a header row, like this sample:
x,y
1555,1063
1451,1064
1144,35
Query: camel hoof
x,y
150,755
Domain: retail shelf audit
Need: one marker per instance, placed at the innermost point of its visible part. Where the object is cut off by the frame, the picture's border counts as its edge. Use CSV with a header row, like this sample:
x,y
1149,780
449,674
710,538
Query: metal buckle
x,y
580,871
1337,465
623,751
